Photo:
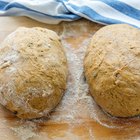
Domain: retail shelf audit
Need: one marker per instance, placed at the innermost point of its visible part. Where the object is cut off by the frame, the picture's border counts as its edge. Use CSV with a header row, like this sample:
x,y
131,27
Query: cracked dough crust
x,y
112,69
33,72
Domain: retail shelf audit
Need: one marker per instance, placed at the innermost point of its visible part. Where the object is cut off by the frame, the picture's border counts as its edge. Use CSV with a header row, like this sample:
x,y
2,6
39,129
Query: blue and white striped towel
x,y
55,11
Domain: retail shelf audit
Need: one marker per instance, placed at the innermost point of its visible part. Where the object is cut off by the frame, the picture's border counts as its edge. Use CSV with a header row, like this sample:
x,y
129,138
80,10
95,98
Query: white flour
x,y
25,130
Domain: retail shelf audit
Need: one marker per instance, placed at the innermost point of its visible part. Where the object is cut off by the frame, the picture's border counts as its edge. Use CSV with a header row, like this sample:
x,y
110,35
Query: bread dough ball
x,y
112,69
33,72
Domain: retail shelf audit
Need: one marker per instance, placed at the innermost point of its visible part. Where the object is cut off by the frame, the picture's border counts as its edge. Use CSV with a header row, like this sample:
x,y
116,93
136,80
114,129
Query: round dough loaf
x,y
33,72
112,69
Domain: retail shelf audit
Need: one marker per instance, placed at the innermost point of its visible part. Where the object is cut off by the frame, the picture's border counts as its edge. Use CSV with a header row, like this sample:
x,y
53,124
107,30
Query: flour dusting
x,y
25,130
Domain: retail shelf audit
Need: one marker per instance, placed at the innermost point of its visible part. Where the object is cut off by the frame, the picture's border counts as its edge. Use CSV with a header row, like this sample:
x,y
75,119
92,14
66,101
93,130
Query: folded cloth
x,y
55,11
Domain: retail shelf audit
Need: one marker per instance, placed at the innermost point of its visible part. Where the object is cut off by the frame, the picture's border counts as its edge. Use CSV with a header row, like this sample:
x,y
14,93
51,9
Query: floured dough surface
x,y
112,69
33,72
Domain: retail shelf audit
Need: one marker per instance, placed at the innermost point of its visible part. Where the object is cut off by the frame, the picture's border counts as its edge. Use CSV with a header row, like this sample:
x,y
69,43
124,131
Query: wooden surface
x,y
12,128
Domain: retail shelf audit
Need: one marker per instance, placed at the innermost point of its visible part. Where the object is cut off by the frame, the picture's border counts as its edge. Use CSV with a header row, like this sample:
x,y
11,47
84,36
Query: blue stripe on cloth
x,y
6,6
123,8
2,5
94,16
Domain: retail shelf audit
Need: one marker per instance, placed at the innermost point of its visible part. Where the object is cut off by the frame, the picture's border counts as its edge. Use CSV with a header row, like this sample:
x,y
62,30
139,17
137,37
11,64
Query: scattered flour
x,y
25,129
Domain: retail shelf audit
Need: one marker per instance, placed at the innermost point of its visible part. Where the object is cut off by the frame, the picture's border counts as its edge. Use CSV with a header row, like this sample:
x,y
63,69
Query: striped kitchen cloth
x,y
55,11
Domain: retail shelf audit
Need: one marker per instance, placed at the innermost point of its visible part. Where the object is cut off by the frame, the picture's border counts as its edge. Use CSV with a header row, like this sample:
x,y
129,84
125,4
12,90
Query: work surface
x,y
77,117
